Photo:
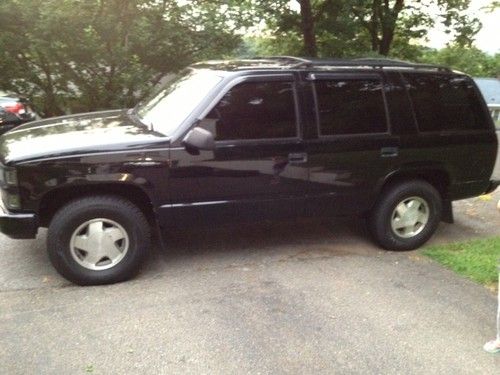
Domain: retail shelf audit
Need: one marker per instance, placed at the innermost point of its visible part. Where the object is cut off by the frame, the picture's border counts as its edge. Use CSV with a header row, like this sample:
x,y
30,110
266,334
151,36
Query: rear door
x,y
351,148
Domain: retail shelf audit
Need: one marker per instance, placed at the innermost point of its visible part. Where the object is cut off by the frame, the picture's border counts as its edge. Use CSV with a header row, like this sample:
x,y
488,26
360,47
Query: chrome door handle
x,y
300,157
145,163
389,152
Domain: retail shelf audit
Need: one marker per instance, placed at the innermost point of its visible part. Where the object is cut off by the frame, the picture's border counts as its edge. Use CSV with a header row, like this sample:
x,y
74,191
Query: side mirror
x,y
198,139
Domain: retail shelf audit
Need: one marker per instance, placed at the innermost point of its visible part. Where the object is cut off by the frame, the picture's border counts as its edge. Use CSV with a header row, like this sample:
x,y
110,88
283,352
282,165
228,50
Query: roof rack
x,y
298,62
400,64
284,59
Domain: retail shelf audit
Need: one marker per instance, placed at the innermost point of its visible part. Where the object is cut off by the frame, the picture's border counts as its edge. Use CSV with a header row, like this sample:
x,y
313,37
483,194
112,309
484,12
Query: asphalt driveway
x,y
302,297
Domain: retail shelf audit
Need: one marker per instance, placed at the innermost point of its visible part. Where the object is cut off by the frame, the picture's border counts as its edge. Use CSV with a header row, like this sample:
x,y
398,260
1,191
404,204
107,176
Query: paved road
x,y
302,297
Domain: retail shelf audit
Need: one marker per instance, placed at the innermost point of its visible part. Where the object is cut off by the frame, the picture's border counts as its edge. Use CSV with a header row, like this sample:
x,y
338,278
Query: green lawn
x,y
477,259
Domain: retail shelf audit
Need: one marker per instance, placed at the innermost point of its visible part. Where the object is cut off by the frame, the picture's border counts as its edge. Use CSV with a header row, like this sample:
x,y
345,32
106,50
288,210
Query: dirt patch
x,y
474,218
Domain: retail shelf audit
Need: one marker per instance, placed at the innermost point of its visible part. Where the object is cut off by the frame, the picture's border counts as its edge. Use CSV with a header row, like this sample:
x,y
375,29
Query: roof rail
x,y
400,63
298,62
283,58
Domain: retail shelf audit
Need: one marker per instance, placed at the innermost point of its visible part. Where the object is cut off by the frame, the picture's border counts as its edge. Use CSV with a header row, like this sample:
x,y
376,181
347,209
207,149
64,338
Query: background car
x,y
15,110
490,88
8,120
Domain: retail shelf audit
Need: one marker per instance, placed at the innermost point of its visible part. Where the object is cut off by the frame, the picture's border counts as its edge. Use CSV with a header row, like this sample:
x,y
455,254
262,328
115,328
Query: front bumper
x,y
492,186
18,226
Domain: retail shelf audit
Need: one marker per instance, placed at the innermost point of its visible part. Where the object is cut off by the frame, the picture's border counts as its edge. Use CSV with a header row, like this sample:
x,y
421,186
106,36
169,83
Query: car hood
x,y
75,135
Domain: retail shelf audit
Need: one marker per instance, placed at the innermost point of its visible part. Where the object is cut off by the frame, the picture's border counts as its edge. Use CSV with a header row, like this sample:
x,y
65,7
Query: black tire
x,y
69,218
379,220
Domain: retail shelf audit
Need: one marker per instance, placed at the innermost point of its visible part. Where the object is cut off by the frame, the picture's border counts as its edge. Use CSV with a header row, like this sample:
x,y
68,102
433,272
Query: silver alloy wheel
x,y
410,217
99,244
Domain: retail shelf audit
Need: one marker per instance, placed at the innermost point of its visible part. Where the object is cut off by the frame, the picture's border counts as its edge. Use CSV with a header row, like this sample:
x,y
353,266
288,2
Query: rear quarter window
x,y
443,102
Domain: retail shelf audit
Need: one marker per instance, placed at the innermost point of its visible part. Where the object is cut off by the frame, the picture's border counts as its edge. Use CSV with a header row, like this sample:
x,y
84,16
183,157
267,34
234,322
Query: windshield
x,y
175,101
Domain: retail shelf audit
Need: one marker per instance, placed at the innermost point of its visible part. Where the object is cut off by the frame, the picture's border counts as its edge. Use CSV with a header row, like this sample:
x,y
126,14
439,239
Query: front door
x,y
257,169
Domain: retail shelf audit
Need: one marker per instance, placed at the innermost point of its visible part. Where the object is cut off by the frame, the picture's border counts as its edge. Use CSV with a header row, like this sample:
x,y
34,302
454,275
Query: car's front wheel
x,y
98,240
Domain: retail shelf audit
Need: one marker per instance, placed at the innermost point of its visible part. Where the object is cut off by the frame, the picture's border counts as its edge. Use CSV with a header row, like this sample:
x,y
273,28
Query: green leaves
x,y
73,55
346,28
469,60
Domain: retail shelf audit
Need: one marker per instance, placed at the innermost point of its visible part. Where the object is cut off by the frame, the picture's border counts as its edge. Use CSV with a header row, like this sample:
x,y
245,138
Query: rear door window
x,y
444,102
350,106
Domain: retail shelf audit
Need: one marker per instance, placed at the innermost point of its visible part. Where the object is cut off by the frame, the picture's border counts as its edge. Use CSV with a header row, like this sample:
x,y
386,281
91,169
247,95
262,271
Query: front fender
x,y
148,173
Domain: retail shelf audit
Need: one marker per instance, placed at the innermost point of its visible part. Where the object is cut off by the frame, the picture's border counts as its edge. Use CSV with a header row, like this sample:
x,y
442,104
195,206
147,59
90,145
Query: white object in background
x,y
493,346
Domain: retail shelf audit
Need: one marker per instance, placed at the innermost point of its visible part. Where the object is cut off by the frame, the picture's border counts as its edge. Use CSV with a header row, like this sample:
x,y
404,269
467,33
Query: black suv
x,y
392,142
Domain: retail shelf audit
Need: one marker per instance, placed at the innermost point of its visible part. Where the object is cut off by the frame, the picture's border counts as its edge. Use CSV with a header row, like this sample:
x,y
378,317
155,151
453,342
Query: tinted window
x,y
350,107
171,105
255,110
444,102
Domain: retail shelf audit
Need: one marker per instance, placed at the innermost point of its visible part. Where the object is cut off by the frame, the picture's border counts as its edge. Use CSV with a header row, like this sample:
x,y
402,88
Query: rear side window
x,y
350,106
255,110
443,102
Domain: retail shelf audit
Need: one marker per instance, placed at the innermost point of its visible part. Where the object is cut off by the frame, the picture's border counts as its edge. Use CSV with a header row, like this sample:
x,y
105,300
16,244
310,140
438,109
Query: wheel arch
x,y
56,198
437,177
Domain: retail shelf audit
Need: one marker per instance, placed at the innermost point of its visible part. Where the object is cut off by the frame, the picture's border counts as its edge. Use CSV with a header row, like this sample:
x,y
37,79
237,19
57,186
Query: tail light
x,y
15,107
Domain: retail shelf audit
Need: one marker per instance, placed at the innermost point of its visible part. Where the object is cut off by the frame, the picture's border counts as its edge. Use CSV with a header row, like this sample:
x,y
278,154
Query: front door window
x,y
254,110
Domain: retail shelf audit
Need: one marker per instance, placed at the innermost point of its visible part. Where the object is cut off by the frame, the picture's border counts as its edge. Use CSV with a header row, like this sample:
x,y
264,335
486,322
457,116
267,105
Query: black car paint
x,y
244,180
67,136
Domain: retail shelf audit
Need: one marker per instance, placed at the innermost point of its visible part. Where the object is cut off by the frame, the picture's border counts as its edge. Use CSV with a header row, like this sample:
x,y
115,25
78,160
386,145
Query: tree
x,y
348,27
468,60
379,18
73,55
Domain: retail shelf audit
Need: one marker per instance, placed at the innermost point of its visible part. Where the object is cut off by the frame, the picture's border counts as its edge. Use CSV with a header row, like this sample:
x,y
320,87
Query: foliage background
x,y
84,55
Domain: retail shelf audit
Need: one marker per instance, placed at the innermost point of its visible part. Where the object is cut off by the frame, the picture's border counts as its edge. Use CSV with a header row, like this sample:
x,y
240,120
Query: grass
x,y
476,259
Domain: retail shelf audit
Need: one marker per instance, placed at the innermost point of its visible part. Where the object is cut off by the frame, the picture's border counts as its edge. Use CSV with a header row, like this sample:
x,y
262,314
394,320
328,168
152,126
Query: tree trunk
x,y
388,18
386,42
307,25
374,25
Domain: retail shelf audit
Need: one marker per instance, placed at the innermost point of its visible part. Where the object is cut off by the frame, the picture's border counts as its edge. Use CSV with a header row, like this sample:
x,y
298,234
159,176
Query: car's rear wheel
x,y
406,215
98,240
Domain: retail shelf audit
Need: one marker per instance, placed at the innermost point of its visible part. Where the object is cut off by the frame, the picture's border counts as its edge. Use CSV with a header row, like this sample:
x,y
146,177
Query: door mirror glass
x,y
198,139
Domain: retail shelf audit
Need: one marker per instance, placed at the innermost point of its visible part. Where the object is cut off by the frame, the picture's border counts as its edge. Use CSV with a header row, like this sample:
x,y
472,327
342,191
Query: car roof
x,y
9,96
